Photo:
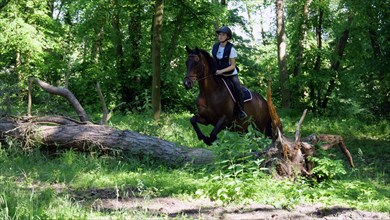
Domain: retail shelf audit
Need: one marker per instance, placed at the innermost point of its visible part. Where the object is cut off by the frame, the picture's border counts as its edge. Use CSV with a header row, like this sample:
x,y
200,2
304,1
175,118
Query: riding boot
x,y
240,103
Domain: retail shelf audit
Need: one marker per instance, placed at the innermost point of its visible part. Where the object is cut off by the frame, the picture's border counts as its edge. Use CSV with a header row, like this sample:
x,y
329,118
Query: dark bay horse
x,y
214,102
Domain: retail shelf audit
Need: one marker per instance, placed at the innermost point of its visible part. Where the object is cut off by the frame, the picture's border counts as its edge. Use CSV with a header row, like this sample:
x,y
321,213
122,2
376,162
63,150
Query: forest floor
x,y
108,201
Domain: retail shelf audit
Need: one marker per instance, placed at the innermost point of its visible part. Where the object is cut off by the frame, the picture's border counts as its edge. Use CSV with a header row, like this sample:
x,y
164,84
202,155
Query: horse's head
x,y
194,67
199,65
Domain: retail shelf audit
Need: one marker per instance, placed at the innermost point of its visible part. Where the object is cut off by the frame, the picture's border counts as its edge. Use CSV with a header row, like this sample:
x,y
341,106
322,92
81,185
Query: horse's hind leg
x,y
199,133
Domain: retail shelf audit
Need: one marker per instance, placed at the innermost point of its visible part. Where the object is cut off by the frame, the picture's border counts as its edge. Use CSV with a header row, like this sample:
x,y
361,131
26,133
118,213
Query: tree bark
x,y
64,133
156,58
282,53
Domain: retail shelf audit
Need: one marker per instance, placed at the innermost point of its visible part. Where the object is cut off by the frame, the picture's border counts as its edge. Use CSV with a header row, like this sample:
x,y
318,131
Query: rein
x,y
200,79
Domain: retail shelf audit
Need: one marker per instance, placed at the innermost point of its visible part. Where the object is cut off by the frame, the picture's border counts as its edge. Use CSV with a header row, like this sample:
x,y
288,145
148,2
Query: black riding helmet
x,y
226,30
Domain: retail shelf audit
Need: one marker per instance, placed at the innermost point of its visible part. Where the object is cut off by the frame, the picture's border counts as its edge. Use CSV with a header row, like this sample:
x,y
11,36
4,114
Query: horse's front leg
x,y
199,133
221,124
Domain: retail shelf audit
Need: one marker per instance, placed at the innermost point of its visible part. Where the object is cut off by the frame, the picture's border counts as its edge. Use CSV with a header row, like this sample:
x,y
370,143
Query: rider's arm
x,y
229,68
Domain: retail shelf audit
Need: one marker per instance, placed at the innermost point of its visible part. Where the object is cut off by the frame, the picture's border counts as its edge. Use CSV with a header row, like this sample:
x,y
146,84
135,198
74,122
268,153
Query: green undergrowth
x,y
38,183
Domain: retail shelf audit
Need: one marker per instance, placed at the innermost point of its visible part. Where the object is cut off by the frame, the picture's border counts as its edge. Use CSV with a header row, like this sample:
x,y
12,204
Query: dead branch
x,y
104,106
297,145
66,94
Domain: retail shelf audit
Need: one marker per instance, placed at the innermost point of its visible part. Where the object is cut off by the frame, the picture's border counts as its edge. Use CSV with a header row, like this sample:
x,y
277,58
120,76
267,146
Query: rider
x,y
225,55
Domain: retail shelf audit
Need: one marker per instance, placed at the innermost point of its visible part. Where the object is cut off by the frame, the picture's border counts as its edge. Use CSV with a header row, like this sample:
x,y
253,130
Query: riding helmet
x,y
226,30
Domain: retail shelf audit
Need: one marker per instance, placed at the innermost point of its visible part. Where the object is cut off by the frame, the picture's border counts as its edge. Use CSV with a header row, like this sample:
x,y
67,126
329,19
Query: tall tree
x,y
314,93
282,53
335,66
156,57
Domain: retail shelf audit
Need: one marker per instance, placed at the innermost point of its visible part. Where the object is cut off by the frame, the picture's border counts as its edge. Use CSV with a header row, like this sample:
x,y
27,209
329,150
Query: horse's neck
x,y
208,86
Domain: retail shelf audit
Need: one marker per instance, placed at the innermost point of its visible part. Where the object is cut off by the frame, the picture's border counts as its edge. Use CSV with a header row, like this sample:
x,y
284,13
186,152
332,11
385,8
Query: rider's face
x,y
222,37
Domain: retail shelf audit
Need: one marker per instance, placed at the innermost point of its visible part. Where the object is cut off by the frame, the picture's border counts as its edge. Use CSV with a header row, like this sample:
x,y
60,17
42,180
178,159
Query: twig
x,y
104,106
298,137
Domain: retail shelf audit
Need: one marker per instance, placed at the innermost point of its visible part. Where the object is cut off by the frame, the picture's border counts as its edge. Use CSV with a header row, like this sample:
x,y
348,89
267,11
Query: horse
x,y
215,105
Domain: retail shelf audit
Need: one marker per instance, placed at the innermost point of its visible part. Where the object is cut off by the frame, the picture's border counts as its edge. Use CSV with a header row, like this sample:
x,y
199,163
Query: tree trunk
x,y
335,65
156,58
315,92
282,53
63,133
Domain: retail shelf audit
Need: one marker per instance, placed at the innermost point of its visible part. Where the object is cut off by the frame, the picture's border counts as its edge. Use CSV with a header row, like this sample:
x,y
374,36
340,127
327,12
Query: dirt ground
x,y
109,201
205,209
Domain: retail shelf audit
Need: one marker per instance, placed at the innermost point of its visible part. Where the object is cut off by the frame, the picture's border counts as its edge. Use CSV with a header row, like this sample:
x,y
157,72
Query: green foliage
x,y
236,168
326,168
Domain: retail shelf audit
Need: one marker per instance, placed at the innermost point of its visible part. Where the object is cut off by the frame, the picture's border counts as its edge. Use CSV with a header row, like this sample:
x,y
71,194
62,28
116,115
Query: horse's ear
x,y
188,50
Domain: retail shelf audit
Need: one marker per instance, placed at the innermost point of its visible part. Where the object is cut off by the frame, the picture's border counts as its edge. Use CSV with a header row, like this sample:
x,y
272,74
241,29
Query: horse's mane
x,y
210,60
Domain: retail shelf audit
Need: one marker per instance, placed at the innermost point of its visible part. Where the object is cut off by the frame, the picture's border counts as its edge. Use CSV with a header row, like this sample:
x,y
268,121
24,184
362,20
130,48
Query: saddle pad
x,y
247,94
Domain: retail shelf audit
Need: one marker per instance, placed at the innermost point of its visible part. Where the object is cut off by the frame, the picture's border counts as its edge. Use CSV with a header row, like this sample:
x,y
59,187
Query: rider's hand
x,y
218,72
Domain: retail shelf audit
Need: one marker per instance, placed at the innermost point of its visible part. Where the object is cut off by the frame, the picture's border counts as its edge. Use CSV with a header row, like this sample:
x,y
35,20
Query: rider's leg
x,y
239,96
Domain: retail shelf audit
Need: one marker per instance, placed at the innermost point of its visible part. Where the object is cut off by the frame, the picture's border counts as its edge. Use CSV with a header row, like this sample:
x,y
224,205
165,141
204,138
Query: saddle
x,y
246,93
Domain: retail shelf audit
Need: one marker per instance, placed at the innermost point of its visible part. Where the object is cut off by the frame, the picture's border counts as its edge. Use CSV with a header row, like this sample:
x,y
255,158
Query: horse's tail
x,y
275,120
268,122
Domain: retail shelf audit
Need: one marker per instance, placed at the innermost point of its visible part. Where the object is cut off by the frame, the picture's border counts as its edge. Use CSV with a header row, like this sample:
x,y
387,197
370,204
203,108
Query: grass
x,y
66,185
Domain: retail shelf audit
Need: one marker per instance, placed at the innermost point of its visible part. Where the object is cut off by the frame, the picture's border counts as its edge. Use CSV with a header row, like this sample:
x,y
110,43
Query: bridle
x,y
200,77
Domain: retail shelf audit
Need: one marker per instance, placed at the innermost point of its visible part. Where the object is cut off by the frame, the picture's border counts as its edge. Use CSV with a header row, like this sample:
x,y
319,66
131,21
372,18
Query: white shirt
x,y
233,54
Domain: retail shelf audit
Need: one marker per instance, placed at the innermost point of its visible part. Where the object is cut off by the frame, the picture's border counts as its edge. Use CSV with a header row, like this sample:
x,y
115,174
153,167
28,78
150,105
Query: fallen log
x,y
65,133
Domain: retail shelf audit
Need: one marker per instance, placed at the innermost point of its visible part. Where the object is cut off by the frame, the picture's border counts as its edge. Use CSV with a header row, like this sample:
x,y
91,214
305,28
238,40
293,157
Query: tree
x,y
156,57
282,53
